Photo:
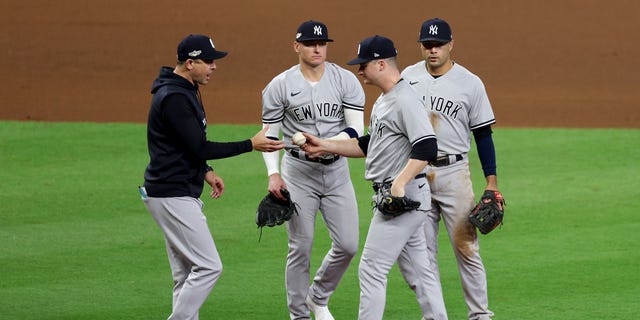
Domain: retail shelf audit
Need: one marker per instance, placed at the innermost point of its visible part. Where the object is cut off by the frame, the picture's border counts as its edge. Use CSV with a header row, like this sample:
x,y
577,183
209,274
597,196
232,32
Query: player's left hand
x,y
276,185
216,183
393,206
489,212
273,211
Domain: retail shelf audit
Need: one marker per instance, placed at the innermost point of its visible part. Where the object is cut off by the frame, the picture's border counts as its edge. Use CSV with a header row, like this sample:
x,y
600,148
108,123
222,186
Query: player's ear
x,y
188,64
296,46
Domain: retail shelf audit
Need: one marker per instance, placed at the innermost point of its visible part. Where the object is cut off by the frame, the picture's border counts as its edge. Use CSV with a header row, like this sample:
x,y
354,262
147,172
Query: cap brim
x,y
434,40
313,39
216,55
219,55
358,61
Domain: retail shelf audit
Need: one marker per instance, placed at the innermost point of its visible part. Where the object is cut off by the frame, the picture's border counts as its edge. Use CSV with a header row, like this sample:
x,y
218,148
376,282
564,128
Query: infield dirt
x,y
545,64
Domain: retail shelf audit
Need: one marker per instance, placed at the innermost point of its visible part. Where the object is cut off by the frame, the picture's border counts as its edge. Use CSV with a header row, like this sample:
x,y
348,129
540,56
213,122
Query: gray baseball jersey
x,y
397,122
457,102
325,109
317,109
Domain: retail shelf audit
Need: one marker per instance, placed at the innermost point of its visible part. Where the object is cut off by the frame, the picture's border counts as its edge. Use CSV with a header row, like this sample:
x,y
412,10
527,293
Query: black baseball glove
x,y
489,212
393,206
273,211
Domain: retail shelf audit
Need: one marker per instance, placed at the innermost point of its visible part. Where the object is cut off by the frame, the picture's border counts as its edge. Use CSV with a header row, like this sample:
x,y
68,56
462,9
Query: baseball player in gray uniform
x,y
458,105
322,98
398,146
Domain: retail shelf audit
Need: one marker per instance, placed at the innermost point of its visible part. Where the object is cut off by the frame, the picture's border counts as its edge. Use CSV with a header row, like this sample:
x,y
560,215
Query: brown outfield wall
x,y
544,63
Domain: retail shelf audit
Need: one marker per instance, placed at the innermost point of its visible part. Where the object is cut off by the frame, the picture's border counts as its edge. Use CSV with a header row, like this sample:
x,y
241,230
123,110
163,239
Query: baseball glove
x,y
273,211
489,212
393,206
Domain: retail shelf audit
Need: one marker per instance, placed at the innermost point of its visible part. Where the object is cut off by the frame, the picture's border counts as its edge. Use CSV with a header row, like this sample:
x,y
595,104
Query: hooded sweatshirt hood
x,y
167,77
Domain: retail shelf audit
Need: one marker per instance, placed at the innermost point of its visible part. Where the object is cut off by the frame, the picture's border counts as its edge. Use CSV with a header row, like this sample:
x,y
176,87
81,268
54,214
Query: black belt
x,y
444,161
296,154
385,185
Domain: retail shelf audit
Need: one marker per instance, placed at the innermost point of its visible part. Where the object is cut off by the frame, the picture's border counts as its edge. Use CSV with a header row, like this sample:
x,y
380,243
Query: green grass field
x,y
77,242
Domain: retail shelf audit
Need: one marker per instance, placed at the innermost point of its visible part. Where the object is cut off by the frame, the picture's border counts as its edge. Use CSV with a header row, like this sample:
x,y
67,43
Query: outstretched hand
x,y
260,142
318,148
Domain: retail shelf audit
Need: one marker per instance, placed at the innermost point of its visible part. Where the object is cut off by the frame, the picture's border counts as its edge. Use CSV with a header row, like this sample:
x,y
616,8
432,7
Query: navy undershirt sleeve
x,y
425,150
183,119
363,143
486,150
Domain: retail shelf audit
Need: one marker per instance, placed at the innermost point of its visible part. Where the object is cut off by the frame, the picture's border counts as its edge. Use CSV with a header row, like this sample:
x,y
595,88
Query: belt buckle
x,y
441,161
447,160
304,156
330,160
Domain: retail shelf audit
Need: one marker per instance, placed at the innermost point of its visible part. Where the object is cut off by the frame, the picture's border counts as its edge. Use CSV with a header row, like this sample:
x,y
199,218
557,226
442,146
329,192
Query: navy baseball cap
x,y
435,30
312,31
197,46
374,48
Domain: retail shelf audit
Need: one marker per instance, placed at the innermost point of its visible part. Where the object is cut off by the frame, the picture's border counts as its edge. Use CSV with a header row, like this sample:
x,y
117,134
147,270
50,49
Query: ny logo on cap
x,y
317,30
433,29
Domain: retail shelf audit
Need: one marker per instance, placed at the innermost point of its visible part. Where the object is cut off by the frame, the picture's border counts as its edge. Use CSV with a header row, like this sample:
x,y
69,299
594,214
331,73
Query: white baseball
x,y
298,139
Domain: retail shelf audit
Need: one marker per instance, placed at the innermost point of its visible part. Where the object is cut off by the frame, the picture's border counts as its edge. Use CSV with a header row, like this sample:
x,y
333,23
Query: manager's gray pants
x,y
193,257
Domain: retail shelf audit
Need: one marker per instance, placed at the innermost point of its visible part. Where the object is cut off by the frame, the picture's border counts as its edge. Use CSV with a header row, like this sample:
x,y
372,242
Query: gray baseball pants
x,y
193,257
400,239
328,189
452,199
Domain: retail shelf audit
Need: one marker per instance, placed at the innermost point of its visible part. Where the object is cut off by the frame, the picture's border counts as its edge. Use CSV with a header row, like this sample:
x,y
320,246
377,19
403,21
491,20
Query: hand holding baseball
x,y
312,146
298,139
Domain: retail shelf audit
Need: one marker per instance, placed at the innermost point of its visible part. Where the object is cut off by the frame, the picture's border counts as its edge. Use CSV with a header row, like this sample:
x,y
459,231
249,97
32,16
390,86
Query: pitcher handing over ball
x,y
397,148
